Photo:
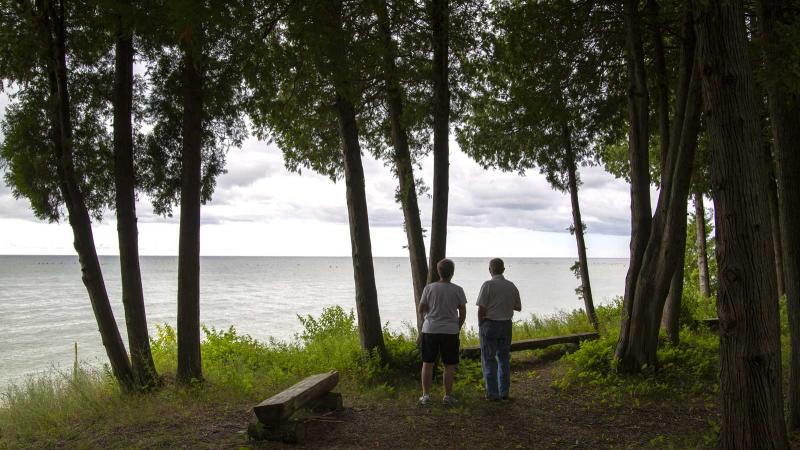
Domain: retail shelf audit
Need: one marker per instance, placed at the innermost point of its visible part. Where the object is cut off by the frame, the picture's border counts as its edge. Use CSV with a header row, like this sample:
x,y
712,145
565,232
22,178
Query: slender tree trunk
x,y
784,106
144,370
369,320
750,360
662,80
92,275
440,19
774,214
638,155
702,253
662,253
672,307
407,193
583,260
189,360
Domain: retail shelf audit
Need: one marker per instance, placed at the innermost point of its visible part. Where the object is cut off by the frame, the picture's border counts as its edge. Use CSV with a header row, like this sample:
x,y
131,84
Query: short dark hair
x,y
445,267
496,266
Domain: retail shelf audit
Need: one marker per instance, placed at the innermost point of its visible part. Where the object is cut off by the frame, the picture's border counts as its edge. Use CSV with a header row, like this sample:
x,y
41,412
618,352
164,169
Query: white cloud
x,y
259,207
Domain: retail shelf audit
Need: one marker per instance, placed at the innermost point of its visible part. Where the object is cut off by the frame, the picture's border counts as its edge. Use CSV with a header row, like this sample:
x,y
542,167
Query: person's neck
x,y
445,280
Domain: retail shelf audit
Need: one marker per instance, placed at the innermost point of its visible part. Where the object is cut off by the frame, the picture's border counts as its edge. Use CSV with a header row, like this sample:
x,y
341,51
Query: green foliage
x,y
691,272
688,369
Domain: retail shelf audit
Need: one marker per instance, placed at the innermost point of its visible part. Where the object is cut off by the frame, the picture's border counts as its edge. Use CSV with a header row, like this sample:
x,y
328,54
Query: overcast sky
x,y
259,208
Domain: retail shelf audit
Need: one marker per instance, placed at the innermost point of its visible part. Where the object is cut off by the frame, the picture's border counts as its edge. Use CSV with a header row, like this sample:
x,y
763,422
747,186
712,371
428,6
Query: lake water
x,y
44,308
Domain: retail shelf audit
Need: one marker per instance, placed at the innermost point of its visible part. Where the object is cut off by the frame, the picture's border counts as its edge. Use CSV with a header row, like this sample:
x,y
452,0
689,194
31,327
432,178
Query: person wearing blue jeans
x,y
497,301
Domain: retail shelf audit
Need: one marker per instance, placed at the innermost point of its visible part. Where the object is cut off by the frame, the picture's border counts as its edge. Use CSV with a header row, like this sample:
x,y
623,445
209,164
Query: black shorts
x,y
434,343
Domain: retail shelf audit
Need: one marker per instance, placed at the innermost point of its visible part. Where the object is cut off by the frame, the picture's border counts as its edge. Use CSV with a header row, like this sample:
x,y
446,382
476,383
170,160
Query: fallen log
x,y
533,344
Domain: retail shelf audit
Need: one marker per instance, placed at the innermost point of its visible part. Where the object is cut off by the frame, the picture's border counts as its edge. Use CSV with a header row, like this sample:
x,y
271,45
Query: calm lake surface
x,y
44,308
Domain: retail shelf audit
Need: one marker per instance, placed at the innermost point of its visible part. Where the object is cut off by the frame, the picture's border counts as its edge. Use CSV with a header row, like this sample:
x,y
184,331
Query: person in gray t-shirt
x,y
497,301
443,305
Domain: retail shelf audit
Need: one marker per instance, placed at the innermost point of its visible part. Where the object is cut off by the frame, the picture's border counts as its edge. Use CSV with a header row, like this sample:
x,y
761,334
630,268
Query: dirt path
x,y
537,416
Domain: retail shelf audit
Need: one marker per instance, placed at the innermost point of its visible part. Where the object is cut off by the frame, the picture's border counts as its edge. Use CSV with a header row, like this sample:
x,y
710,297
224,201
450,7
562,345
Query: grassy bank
x,y
85,409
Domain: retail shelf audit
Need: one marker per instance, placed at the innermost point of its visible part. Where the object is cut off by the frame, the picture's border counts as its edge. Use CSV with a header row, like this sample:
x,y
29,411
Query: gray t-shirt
x,y
500,298
443,300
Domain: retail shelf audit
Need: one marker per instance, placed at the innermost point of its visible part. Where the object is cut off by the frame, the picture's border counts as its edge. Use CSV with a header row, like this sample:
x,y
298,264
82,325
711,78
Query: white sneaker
x,y
425,399
449,400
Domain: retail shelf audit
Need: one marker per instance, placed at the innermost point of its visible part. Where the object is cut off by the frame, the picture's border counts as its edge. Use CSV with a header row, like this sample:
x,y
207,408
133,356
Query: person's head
x,y
445,268
496,266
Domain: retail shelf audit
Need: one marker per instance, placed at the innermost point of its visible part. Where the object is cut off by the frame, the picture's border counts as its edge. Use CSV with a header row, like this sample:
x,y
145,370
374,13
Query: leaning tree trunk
x,y
661,254
440,19
92,275
407,192
583,261
189,360
638,155
784,106
672,307
702,253
750,356
369,320
144,370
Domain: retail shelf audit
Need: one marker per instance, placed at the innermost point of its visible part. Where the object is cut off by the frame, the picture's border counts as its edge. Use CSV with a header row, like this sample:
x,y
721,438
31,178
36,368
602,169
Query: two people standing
x,y
443,306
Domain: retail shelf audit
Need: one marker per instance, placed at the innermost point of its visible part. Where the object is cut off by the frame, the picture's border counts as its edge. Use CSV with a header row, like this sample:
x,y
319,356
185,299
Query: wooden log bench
x,y
533,344
274,415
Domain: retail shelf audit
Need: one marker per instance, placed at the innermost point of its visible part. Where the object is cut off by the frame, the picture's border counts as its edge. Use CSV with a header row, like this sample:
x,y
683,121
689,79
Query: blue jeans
x,y
495,357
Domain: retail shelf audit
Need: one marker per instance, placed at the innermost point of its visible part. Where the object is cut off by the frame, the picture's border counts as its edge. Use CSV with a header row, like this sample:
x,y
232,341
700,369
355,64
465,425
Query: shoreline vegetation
x,y
86,408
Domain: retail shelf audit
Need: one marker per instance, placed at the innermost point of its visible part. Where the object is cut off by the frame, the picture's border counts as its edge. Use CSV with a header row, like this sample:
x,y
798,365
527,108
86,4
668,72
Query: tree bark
x,y
750,360
672,307
661,255
369,321
404,171
784,106
638,155
702,253
583,260
144,370
440,19
92,275
189,359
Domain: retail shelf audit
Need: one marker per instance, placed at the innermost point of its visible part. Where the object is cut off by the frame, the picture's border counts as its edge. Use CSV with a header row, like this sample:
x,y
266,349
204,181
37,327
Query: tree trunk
x,y
440,19
662,80
774,214
672,307
407,192
662,253
586,287
750,360
144,370
702,253
79,220
189,361
638,154
369,320
784,106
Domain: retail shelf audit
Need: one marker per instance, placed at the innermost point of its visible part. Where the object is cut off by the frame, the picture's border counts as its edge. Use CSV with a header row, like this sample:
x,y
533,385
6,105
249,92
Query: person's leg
x,y
504,359
427,377
449,374
428,350
488,359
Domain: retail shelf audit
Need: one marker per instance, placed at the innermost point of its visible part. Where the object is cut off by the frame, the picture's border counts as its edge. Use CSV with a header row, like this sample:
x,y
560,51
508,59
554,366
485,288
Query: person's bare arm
x,y
462,315
481,314
423,310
